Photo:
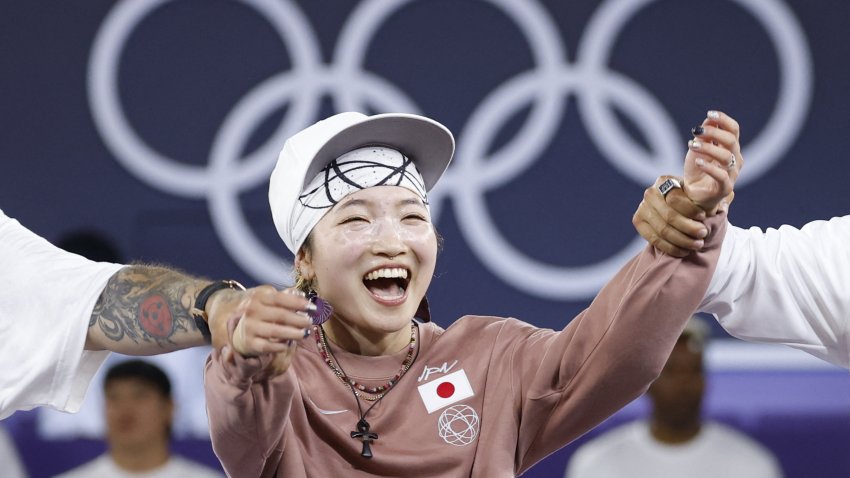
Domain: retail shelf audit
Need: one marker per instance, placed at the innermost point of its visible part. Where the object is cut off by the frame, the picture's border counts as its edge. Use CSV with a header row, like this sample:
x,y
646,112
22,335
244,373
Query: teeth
x,y
388,273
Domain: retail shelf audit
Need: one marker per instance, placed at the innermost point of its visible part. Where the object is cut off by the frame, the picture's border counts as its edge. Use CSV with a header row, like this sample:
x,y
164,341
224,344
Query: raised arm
x,y
608,355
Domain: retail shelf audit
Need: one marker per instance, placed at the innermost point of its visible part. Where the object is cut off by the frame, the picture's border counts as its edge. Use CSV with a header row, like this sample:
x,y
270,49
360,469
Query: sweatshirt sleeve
x,y
247,410
788,286
567,382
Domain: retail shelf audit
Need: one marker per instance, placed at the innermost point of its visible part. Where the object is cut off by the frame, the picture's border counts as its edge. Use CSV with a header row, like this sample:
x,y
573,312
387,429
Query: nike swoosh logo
x,y
326,412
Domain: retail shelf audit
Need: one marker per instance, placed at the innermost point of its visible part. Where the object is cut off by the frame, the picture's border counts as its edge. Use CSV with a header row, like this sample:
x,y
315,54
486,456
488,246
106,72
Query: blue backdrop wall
x,y
158,122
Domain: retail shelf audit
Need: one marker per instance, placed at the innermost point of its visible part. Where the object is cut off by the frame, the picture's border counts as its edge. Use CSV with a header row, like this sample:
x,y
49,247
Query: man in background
x,y
675,441
139,412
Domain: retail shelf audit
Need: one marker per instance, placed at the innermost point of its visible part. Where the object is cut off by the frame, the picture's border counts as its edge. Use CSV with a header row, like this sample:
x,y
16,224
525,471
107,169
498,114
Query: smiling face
x,y
372,257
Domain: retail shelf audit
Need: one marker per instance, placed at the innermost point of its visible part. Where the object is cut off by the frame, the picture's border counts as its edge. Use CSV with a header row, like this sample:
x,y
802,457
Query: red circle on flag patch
x,y
445,390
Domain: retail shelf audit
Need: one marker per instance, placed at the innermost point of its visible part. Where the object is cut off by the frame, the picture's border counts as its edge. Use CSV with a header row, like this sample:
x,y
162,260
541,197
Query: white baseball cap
x,y
427,143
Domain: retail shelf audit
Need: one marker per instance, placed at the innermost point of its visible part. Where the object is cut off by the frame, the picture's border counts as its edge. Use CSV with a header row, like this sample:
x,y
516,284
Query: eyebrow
x,y
411,202
351,203
361,202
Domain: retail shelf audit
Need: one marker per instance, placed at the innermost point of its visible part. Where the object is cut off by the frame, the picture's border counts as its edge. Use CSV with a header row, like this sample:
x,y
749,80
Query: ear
x,y
304,264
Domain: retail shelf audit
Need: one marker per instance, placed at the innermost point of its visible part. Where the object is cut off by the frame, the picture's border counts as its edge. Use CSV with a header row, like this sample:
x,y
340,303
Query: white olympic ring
x,y
351,87
458,425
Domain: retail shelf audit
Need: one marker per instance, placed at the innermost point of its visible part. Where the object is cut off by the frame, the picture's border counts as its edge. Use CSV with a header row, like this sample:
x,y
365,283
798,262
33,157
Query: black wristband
x,y
199,312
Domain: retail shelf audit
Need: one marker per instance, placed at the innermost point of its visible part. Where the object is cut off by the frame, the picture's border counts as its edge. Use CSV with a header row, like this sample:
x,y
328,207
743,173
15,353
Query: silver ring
x,y
732,161
668,185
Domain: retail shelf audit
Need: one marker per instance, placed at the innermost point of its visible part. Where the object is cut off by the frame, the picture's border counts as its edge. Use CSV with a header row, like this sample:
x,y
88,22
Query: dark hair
x,y
141,370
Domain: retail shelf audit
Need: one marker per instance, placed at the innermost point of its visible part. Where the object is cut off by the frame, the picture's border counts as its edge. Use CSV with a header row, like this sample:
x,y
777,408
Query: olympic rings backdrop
x,y
157,123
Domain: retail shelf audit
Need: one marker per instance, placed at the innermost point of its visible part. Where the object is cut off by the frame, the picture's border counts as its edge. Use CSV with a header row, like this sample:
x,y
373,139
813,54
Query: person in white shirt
x,y
787,285
675,441
73,311
139,413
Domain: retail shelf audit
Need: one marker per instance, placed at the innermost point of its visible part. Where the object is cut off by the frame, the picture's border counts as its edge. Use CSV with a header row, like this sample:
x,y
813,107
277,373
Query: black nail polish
x,y
697,130
307,332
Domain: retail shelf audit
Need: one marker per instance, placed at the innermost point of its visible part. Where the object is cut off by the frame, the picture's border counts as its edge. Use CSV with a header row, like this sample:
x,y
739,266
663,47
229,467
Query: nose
x,y
388,240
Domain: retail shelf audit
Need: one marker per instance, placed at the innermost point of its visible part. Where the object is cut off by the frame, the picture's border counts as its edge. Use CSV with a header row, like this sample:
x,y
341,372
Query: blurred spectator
x,y
10,462
139,412
675,442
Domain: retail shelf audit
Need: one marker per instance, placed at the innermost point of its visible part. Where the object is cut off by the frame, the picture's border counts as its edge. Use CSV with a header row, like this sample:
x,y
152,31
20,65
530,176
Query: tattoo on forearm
x,y
146,304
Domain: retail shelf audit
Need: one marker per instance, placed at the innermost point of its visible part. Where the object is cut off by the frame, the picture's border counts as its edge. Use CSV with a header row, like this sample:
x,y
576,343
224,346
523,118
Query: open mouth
x,y
388,283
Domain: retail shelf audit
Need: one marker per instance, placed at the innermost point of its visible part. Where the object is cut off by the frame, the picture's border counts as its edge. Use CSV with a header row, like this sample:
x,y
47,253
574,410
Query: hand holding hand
x,y
269,322
271,319
672,224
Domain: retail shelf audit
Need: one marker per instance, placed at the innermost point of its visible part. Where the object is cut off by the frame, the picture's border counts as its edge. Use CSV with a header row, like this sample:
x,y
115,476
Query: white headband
x,y
359,169
303,165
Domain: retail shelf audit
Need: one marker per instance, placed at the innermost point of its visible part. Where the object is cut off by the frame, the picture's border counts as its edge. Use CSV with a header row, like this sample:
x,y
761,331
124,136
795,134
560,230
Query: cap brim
x,y
427,143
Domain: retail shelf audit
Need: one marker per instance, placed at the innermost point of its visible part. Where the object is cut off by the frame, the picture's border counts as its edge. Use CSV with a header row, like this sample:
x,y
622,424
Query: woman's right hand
x,y
270,322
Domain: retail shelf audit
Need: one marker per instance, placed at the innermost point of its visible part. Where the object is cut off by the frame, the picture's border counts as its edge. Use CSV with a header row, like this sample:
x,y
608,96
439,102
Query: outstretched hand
x,y
270,322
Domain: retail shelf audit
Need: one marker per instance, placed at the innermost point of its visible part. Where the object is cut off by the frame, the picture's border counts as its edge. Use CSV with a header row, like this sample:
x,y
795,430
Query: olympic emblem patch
x,y
459,425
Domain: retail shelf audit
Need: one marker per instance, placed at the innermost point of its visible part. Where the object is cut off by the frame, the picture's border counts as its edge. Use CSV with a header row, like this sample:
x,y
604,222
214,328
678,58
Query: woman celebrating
x,y
380,390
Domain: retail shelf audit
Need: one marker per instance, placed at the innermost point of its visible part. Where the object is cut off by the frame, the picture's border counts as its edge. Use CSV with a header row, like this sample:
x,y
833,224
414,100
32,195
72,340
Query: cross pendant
x,y
364,435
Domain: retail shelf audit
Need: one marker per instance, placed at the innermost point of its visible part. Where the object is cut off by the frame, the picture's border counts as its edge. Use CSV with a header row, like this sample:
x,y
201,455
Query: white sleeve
x,y
46,299
788,286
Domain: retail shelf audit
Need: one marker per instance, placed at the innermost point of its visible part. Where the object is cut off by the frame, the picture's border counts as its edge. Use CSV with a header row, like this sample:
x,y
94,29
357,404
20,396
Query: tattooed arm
x,y
145,310
53,303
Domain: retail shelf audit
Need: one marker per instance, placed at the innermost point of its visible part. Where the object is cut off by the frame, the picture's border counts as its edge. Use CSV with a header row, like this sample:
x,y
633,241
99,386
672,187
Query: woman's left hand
x,y
713,161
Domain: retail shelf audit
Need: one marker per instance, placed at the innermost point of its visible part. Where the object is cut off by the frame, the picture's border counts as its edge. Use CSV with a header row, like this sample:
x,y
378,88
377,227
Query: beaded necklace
x,y
374,393
363,429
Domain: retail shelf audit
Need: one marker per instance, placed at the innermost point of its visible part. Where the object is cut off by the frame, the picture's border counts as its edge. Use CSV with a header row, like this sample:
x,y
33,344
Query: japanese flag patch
x,y
445,391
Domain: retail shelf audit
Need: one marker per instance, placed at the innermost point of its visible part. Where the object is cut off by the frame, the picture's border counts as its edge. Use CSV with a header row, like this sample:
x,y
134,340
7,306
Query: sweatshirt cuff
x,y
236,368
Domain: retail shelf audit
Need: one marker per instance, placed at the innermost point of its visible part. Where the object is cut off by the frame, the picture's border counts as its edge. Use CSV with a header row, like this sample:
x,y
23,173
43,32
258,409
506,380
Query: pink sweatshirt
x,y
487,397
